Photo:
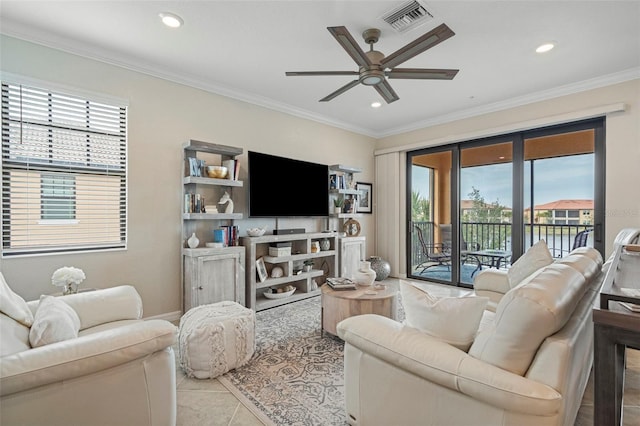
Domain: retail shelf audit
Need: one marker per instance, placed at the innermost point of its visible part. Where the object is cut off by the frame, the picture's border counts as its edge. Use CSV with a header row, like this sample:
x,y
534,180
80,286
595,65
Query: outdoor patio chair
x,y
581,239
435,254
465,247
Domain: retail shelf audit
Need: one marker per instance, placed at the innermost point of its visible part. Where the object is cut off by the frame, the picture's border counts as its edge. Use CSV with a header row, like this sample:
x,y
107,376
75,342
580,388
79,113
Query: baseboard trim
x,y
169,316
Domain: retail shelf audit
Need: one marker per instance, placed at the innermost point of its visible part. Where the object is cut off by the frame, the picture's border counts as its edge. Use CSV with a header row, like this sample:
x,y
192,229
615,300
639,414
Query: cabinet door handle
x,y
200,287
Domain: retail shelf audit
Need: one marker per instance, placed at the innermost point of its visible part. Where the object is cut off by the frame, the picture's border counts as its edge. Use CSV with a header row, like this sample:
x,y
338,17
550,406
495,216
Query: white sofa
x,y
528,365
120,370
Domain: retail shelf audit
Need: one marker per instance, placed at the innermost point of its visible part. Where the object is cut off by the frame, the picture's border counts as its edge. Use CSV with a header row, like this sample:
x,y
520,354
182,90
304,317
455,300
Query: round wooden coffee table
x,y
341,304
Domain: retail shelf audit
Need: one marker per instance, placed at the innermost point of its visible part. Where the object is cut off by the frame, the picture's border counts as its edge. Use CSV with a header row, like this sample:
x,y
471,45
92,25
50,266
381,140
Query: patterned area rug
x,y
296,374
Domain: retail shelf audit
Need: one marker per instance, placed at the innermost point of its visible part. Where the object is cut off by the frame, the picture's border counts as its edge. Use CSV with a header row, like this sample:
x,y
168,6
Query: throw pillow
x,y
14,306
537,257
453,320
54,321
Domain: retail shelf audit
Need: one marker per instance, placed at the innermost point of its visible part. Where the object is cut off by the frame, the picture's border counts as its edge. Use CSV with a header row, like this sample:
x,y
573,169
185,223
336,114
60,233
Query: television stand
x,y
324,264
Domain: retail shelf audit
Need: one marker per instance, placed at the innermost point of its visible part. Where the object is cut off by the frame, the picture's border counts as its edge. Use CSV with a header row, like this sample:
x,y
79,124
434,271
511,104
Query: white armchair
x,y
119,370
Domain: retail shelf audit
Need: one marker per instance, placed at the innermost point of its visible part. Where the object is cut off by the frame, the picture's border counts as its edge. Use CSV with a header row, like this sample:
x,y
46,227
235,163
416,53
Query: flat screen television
x,y
283,187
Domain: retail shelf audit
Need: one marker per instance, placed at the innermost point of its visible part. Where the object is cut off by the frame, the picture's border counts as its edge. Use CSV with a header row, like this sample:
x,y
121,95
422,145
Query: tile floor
x,y
207,402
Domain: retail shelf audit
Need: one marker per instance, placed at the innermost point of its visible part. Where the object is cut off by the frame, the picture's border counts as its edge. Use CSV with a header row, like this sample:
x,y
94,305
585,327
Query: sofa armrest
x,y
433,360
491,283
83,355
103,306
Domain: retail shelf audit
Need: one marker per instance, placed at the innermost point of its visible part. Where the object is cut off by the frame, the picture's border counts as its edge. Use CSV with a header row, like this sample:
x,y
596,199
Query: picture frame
x,y
261,269
365,199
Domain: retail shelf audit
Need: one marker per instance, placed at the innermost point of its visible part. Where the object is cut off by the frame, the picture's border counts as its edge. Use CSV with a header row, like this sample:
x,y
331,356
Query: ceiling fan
x,y
374,66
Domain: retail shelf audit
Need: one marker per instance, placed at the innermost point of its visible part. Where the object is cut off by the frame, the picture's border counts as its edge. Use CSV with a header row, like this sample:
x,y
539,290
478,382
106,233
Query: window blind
x,y
64,172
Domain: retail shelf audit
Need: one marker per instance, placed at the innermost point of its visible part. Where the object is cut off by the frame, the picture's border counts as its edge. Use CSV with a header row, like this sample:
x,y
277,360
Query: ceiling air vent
x,y
406,16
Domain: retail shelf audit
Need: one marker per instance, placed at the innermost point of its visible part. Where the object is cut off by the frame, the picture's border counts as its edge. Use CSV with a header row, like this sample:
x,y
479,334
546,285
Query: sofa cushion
x,y
54,321
581,263
15,336
591,253
13,305
440,317
535,258
106,305
527,315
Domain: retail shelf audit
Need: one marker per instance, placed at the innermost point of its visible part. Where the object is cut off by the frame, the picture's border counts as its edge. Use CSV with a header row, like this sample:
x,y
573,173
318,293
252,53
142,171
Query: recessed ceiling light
x,y
171,20
376,104
545,47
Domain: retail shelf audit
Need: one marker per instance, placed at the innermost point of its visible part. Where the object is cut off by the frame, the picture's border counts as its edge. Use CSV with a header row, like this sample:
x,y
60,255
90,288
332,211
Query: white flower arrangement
x,y
69,278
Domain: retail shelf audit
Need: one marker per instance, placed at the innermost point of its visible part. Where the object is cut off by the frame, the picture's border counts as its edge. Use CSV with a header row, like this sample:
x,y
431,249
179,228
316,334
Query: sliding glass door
x,y
481,204
560,178
486,207
430,180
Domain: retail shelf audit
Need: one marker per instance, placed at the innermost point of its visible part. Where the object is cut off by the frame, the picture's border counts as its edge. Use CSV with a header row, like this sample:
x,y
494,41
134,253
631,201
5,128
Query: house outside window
x,y
64,172
57,197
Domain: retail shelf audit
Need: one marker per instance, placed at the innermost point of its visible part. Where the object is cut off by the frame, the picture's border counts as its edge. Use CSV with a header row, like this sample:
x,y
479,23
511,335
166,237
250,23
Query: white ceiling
x,y
242,49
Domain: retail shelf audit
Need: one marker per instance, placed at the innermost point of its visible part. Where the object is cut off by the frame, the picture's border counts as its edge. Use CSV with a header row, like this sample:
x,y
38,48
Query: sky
x,y
559,178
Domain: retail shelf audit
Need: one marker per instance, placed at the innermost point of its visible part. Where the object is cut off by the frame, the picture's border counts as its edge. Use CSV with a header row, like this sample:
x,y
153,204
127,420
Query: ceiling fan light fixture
x,y
371,80
171,20
543,48
371,77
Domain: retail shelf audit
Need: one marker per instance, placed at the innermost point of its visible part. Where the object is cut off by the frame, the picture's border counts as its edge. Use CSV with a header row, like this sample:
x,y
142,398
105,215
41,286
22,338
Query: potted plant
x,y
308,265
338,203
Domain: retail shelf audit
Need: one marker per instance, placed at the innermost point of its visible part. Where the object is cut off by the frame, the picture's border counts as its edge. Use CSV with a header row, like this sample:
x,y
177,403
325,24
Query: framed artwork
x,y
261,269
365,200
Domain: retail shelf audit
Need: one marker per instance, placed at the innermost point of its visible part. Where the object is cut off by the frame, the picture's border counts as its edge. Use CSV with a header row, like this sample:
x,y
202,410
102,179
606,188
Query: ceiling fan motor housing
x,y
372,76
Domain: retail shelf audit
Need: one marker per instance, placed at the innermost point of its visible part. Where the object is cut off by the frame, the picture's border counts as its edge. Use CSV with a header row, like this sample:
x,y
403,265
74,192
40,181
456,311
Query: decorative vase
x,y
70,288
315,247
365,275
193,241
325,244
381,267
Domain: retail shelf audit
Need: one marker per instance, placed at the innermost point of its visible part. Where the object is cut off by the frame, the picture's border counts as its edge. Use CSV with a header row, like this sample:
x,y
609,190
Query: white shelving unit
x,y
344,179
210,275
325,265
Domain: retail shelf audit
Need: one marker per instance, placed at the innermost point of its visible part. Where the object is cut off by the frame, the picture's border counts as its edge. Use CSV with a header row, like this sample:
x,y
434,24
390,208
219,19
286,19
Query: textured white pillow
x,y
14,306
537,257
453,320
54,321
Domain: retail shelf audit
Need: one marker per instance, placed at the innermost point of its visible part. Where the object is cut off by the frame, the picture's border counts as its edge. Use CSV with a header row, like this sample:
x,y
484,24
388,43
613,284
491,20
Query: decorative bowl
x,y
255,232
218,172
282,295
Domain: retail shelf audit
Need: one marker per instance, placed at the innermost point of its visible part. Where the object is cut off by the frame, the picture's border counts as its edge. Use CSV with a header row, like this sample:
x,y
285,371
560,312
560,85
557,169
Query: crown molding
x,y
109,57
568,89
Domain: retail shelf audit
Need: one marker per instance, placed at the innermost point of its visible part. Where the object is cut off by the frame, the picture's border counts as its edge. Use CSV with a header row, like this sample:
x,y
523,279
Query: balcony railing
x,y
497,236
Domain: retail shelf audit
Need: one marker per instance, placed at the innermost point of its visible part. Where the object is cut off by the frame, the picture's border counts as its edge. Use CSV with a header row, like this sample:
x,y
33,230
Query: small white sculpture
x,y
227,199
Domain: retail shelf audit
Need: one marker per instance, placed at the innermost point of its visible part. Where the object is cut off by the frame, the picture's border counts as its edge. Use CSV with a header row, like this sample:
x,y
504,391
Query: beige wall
x,y
622,141
162,116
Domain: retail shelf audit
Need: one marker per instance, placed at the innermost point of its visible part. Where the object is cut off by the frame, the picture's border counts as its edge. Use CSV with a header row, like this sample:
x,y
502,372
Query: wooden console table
x,y
615,328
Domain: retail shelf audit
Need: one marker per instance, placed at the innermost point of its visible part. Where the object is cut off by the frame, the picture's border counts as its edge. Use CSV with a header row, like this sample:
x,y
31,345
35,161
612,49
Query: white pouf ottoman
x,y
216,338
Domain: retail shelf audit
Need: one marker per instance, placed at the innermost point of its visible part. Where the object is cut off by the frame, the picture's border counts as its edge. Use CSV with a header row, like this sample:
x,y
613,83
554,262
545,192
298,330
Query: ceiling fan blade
x,y
340,91
386,91
430,39
350,45
422,73
304,73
